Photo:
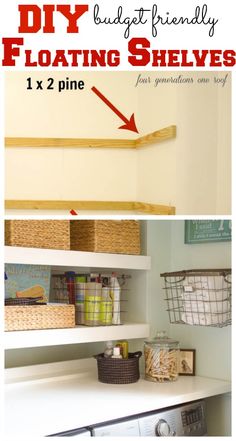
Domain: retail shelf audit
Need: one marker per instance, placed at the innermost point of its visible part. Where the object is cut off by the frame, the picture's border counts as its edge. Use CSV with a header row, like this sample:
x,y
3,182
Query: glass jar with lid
x,y
161,358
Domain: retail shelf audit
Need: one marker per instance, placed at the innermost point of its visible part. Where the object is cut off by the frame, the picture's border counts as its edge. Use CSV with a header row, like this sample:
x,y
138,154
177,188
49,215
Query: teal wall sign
x,y
200,231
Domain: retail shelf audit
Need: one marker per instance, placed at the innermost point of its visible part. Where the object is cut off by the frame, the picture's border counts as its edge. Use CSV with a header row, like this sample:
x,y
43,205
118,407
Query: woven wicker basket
x,y
20,318
106,236
118,371
53,234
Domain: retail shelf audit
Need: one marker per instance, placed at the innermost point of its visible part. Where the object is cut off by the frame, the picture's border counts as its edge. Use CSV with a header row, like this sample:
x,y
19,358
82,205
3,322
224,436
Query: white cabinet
x,y
134,326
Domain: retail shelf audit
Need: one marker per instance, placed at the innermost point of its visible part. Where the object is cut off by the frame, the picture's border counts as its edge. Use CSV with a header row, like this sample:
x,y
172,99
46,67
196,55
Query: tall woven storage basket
x,y
54,234
105,236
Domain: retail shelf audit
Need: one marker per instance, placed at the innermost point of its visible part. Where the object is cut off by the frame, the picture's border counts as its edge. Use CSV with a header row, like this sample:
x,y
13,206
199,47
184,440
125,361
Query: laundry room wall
x,y
165,243
212,344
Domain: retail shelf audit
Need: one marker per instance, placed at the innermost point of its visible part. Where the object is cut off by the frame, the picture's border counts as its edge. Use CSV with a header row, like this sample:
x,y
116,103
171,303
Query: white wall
x,y
191,172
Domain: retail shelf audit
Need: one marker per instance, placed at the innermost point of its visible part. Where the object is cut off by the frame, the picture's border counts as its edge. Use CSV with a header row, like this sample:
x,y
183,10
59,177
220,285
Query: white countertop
x,y
47,399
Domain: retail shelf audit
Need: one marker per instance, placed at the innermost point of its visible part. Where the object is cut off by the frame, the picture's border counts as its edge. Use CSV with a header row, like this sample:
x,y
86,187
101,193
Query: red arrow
x,y
73,212
129,123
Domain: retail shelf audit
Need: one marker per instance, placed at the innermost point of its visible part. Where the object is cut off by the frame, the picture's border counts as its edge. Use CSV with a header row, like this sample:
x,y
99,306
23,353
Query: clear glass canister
x,y
161,358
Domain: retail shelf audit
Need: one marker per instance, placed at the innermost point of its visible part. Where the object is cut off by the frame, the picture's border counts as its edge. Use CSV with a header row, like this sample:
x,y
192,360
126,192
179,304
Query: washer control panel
x,y
192,419
184,420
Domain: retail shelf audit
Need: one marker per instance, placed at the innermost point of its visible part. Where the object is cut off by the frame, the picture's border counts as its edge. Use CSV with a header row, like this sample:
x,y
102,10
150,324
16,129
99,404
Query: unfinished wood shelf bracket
x,y
142,207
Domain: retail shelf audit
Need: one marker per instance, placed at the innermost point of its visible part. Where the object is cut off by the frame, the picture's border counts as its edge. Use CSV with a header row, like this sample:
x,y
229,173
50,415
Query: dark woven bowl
x,y
118,370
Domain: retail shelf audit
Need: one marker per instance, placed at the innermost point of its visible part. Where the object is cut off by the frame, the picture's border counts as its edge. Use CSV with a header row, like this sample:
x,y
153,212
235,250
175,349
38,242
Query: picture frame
x,y
187,362
206,231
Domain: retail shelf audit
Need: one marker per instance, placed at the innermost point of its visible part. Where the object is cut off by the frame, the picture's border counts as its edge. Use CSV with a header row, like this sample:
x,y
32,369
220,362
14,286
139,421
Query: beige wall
x,y
57,173
191,172
69,114
224,126
70,174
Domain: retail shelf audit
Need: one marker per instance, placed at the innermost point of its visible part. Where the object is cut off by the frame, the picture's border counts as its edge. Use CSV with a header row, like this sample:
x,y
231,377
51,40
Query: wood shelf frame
x,y
143,141
143,207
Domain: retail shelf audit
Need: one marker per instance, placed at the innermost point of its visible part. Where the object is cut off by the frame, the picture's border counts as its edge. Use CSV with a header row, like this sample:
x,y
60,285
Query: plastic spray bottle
x,y
115,296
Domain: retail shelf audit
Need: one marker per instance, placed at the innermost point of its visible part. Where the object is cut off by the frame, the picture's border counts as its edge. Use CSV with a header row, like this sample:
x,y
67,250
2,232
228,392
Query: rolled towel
x,y
204,319
211,307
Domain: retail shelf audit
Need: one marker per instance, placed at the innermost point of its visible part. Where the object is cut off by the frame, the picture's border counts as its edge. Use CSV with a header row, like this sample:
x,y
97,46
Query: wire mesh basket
x,y
199,297
96,303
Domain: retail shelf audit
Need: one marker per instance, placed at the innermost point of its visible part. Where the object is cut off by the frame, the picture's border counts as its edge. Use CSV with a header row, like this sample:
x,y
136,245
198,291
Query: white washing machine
x,y
182,420
81,432
129,427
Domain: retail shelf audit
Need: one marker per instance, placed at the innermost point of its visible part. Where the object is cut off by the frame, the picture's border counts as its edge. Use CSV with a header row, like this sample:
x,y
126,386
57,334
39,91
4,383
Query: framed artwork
x,y
201,231
187,362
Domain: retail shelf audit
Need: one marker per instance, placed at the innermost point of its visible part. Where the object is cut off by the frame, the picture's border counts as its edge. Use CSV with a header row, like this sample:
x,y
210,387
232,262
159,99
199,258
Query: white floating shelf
x,y
61,258
80,334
